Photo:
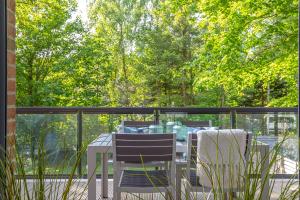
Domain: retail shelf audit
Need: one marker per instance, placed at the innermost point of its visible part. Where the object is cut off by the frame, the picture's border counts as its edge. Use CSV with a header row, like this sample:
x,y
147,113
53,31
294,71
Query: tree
x,y
46,36
116,23
250,45
158,53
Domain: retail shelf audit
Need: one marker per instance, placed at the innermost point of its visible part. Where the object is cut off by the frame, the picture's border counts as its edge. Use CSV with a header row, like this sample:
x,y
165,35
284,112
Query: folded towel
x,y
221,157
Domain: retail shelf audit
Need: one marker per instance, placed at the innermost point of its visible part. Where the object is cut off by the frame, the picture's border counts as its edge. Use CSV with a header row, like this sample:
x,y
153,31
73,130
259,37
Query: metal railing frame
x,y
3,79
156,111
3,88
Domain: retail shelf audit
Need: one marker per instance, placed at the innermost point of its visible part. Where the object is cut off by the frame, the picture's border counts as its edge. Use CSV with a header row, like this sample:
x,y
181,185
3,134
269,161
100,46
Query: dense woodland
x,y
206,53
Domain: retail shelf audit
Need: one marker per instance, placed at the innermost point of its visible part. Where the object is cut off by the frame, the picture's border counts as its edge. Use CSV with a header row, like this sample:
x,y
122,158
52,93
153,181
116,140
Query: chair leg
x,y
117,195
174,196
225,196
170,195
232,195
167,196
187,194
116,190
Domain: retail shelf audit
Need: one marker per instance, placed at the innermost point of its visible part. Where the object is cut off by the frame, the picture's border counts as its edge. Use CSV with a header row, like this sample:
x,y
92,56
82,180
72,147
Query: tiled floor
x,y
79,190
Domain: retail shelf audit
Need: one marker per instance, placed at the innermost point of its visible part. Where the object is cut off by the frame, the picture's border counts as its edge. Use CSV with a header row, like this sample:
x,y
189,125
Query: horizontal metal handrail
x,y
151,110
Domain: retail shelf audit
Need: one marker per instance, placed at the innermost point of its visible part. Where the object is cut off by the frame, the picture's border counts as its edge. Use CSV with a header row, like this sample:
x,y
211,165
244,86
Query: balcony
x,y
65,133
167,53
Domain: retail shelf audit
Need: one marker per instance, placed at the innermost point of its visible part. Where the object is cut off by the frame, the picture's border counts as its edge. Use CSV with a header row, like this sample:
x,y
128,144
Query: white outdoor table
x,y
103,145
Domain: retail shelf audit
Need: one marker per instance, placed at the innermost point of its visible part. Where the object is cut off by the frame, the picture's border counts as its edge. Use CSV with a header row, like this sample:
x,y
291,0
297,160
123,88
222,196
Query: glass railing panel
x,y
96,124
54,134
278,131
58,135
216,120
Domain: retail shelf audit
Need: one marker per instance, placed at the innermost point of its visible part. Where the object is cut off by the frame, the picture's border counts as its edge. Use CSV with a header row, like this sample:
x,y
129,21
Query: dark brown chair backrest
x,y
194,141
137,123
196,123
140,148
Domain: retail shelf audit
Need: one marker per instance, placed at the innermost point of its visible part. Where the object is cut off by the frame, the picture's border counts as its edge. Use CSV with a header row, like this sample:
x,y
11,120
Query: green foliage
x,y
46,40
251,47
14,183
202,53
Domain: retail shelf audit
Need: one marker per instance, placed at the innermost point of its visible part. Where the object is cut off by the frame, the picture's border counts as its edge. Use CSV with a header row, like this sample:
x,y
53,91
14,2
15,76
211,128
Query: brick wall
x,y
11,78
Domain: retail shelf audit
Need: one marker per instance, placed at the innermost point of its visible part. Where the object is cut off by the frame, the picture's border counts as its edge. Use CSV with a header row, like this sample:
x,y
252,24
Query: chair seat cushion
x,y
155,178
194,179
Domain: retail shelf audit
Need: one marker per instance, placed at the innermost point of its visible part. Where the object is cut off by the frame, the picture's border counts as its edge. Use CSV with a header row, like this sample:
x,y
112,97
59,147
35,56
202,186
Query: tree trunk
x,y
124,67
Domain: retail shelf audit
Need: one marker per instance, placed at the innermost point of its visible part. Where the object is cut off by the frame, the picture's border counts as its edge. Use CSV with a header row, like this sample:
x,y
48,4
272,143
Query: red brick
x,y
11,4
11,85
11,99
11,72
11,113
11,58
11,126
11,30
11,44
11,17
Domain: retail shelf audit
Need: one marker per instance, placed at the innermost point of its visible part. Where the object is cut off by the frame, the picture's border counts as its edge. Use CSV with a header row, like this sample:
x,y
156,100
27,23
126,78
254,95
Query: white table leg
x,y
178,181
264,153
91,159
104,182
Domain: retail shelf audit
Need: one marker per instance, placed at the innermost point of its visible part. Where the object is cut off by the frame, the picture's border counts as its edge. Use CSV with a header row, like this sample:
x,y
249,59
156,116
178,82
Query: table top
x,y
104,144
